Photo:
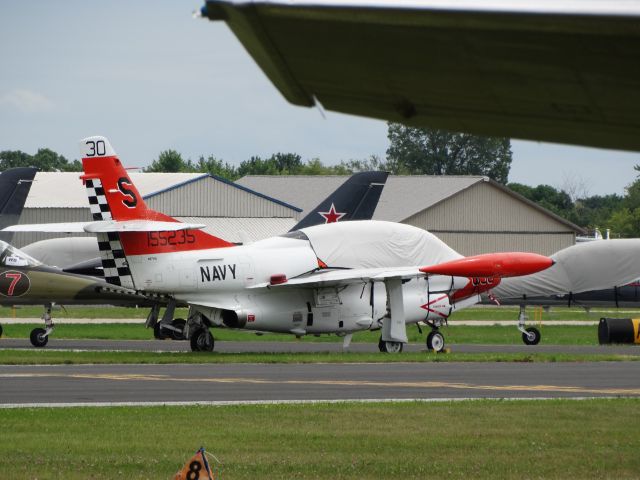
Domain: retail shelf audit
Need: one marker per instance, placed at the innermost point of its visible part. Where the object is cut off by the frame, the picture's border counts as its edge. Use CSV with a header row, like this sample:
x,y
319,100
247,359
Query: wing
x,y
494,265
105,226
552,70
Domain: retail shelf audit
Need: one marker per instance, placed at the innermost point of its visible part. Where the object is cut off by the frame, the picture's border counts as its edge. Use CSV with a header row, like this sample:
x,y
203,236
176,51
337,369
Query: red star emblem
x,y
332,216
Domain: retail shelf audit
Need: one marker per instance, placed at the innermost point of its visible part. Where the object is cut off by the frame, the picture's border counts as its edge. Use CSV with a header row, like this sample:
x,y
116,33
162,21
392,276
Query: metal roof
x,y
65,189
402,196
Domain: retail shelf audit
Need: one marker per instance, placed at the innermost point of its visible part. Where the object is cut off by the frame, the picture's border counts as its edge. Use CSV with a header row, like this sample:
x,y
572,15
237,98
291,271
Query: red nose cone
x,y
278,279
508,264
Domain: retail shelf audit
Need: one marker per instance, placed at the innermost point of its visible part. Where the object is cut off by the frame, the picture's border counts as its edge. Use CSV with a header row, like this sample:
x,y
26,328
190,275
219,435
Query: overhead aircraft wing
x,y
551,70
494,265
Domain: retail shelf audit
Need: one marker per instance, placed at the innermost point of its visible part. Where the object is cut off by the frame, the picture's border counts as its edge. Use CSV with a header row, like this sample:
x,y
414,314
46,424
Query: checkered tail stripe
x,y
114,262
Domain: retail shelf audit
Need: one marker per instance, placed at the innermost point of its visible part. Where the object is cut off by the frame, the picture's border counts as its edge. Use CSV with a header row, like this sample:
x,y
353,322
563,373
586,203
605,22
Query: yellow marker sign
x,y
636,330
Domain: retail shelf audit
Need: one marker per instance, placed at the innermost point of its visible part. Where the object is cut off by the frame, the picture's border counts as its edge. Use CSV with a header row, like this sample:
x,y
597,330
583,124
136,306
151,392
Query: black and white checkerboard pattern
x,y
114,263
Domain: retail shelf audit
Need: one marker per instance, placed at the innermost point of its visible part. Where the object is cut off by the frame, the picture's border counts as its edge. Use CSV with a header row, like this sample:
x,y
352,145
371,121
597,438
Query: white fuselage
x,y
230,286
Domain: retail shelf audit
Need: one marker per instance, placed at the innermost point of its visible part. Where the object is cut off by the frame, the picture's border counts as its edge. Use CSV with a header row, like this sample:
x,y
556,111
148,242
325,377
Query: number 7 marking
x,y
16,278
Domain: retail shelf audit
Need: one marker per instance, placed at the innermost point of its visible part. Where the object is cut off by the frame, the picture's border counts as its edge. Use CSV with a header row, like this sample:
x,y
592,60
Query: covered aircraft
x,y
552,70
332,278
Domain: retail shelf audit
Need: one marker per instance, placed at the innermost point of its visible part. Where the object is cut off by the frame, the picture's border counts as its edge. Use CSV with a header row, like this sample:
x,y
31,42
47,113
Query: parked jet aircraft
x,y
356,199
552,70
15,184
26,281
332,278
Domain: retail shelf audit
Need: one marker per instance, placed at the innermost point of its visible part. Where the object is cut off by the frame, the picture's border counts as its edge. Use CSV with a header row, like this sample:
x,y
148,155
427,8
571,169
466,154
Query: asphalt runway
x,y
97,384
306,347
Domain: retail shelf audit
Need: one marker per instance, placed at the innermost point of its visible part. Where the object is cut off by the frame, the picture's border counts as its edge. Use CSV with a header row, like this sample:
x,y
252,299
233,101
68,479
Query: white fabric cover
x,y
370,244
579,268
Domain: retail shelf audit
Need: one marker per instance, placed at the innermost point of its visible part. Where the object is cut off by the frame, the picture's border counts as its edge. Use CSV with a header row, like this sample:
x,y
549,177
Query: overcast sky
x,y
150,77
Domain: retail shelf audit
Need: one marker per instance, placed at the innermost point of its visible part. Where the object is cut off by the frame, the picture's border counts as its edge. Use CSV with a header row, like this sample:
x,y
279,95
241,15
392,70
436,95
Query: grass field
x,y
53,357
556,439
504,335
475,313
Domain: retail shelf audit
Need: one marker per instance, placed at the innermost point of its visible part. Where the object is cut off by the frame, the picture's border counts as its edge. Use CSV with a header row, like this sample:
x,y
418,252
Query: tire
x,y
0,330
180,324
37,337
158,333
535,340
381,346
393,347
435,341
202,341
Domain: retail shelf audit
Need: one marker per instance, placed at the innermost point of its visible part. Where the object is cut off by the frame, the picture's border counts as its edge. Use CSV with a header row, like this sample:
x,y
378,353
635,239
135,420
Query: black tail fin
x,y
355,199
14,188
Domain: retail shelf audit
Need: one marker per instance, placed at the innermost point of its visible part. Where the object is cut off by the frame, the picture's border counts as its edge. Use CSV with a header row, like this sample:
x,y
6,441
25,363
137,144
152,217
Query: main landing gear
x,y
40,336
530,335
390,347
202,340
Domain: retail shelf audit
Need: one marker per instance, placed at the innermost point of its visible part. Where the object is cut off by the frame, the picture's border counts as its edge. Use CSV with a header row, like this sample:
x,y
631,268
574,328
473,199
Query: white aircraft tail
x,y
115,199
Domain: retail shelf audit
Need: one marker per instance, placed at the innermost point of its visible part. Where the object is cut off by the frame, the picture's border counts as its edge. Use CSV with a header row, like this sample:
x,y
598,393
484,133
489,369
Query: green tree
x,y
45,160
215,166
438,152
558,201
170,161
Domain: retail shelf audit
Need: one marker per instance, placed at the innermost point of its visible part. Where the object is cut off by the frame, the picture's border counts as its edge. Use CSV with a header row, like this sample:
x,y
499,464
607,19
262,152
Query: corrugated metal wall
x,y
49,215
484,219
212,198
203,198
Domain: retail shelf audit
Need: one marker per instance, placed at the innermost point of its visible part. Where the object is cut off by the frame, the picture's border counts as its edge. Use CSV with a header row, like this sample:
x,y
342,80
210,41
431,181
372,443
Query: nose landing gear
x,y
40,336
530,335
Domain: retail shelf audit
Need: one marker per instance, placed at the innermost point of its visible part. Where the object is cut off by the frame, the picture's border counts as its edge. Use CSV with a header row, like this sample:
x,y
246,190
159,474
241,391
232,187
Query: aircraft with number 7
x,y
333,278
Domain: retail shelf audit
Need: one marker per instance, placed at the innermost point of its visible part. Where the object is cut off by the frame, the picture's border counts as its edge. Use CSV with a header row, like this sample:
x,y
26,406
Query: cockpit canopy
x,y
12,257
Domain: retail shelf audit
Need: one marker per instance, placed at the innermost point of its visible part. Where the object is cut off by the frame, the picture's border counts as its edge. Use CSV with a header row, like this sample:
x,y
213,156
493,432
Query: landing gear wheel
x,y
158,333
390,347
435,341
179,324
533,336
38,337
202,341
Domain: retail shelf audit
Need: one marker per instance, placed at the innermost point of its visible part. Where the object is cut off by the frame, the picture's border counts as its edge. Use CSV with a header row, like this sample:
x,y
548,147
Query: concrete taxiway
x,y
306,347
89,384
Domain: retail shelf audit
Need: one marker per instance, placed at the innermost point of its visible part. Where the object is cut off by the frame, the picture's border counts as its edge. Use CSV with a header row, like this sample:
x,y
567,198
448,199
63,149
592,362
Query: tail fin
x,y
15,184
355,199
113,196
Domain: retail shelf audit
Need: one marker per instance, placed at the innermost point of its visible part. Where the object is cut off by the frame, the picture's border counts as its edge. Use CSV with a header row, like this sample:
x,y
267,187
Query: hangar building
x,y
231,211
472,214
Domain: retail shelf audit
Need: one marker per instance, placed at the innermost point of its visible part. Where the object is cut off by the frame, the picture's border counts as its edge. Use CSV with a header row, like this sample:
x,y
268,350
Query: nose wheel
x,y
40,336
435,341
530,335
